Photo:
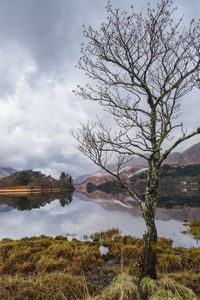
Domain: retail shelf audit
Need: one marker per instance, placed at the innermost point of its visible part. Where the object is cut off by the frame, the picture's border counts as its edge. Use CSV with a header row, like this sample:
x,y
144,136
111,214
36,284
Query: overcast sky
x,y
40,46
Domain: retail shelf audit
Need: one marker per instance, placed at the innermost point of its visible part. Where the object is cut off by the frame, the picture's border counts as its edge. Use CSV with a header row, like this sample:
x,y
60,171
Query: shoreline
x,y
27,190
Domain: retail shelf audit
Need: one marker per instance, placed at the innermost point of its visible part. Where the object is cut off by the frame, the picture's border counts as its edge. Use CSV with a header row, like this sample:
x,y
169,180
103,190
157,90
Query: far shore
x,y
26,190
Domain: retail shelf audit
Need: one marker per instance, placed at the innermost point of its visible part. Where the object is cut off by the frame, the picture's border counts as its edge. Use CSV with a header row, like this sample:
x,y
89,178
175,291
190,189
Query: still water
x,y
78,215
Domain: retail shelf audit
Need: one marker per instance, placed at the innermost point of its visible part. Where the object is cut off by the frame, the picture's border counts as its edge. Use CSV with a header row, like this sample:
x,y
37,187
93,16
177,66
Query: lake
x,y
80,214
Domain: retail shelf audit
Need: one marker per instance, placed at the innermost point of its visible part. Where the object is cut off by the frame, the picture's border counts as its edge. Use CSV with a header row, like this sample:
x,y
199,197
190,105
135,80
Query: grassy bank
x,y
54,268
194,229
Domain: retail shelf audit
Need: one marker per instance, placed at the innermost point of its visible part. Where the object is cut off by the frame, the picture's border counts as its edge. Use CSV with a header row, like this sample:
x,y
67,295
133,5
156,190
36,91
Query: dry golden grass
x,y
46,268
48,286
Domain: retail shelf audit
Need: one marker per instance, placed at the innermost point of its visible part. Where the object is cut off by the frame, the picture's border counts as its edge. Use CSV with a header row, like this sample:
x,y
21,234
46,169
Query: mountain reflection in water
x,y
185,206
60,214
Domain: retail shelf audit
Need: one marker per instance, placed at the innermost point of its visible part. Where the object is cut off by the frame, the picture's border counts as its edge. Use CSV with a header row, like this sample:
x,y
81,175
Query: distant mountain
x,y
82,178
6,172
191,156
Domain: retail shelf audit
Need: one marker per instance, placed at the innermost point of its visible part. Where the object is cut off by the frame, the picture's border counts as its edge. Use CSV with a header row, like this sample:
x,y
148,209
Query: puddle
x,y
103,250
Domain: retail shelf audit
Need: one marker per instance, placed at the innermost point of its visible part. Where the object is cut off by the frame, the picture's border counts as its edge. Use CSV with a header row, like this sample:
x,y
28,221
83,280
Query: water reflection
x,y
174,195
171,193
58,214
66,201
172,203
33,201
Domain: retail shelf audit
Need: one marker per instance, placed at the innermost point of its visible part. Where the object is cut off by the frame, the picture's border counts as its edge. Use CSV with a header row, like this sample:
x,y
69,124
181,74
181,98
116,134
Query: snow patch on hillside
x,y
138,172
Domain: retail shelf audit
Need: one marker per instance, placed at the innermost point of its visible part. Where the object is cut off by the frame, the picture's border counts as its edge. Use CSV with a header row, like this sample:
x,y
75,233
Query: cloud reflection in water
x,y
83,217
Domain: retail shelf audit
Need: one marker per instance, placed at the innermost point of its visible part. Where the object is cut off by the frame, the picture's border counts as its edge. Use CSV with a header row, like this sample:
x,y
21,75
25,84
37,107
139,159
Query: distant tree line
x,y
26,176
176,171
191,170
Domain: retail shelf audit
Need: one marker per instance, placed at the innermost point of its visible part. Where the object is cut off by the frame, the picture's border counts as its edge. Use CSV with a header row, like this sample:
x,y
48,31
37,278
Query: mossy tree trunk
x,y
150,249
149,208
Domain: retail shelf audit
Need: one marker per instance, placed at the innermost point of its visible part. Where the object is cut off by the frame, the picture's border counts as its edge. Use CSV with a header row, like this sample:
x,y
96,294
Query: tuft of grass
x,y
194,228
126,287
169,263
165,289
123,287
131,259
191,259
102,235
148,287
189,279
164,245
47,264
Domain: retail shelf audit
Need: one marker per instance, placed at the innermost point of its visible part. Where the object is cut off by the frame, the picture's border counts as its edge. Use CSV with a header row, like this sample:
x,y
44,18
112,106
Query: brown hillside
x,y
191,156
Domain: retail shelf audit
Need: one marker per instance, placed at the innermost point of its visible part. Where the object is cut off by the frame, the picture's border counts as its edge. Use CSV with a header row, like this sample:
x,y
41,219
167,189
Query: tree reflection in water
x,y
33,201
65,201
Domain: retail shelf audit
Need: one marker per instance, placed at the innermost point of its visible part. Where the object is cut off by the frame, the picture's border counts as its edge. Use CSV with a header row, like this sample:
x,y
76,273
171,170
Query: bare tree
x,y
140,65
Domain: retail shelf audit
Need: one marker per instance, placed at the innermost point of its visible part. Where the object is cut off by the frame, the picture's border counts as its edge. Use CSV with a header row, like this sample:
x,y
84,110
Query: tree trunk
x,y
149,261
150,246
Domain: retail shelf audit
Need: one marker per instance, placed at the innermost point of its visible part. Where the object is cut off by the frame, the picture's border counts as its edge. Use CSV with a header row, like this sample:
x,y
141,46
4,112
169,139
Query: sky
x,y
40,47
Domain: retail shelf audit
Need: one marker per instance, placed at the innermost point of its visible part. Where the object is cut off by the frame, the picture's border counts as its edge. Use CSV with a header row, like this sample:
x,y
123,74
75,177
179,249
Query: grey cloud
x,y
40,46
50,30
35,25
